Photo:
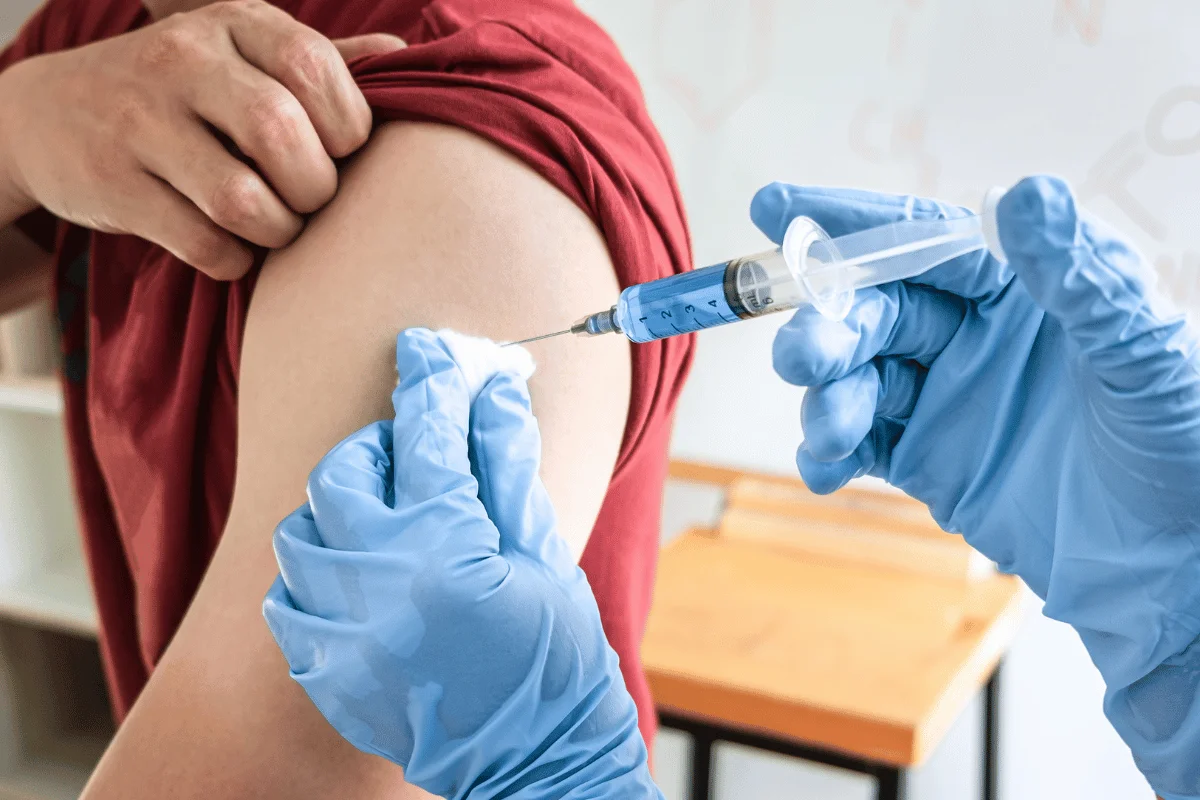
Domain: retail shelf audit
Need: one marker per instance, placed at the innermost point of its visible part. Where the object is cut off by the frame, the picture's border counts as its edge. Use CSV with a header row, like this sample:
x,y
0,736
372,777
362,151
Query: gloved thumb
x,y
506,454
1092,281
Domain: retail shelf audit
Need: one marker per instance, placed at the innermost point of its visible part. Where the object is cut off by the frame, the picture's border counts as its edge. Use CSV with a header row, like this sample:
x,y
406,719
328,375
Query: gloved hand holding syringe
x,y
809,268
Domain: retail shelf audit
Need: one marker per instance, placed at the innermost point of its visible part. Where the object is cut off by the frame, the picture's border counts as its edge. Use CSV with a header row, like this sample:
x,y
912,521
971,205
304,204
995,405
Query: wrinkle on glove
x,y
1049,410
431,611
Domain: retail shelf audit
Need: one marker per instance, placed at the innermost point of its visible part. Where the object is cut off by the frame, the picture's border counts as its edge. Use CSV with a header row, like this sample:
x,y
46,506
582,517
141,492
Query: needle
x,y
538,338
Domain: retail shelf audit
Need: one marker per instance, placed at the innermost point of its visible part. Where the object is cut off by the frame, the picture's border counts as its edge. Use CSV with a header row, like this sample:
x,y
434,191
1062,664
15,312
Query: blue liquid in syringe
x,y
691,301
679,304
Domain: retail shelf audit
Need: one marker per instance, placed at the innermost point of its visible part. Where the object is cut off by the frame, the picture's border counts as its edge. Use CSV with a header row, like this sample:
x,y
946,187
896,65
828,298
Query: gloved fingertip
x,y
1036,218
508,391
809,349
429,379
455,361
414,339
1091,279
419,354
832,440
824,477
837,416
769,210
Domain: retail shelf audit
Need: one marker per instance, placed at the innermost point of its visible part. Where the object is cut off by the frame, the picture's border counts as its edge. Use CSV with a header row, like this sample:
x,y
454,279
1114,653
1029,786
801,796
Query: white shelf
x,y
58,596
43,779
33,395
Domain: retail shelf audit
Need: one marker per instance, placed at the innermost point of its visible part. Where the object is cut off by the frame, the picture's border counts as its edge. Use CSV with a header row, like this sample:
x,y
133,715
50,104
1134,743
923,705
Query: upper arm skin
x,y
432,227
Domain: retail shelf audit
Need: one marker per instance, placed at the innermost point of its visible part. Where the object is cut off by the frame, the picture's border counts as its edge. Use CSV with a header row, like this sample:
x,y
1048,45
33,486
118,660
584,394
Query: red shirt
x,y
150,346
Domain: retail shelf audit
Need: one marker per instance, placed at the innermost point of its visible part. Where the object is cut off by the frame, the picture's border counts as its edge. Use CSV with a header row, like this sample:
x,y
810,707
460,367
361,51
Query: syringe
x,y
809,268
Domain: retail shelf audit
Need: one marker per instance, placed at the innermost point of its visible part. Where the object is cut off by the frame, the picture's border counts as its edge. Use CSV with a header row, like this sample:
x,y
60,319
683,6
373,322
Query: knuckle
x,y
275,123
311,59
235,201
169,45
228,10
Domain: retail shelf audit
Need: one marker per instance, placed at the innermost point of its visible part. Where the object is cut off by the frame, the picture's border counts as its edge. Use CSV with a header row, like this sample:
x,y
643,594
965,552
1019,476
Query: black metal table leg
x,y
700,785
991,736
891,783
890,780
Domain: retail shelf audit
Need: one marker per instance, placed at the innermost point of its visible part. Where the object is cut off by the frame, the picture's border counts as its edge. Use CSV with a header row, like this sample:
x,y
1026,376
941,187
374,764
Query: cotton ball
x,y
480,359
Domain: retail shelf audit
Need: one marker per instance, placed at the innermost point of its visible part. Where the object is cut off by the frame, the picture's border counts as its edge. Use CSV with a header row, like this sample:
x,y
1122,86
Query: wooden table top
x,y
856,657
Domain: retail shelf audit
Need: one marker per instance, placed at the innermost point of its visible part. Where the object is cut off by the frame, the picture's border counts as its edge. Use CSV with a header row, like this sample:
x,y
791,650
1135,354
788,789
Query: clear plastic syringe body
x,y
809,268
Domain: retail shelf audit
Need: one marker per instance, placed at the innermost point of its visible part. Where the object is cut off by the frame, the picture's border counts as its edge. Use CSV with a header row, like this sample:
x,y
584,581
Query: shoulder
x,y
434,226
423,202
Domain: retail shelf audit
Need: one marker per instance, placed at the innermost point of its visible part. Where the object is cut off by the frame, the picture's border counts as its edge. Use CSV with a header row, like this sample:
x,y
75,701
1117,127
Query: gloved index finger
x,y
506,447
840,212
432,402
441,374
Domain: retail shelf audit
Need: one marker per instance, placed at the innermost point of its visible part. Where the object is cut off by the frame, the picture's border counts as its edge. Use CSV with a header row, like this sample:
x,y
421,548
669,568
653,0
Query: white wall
x,y
12,14
944,98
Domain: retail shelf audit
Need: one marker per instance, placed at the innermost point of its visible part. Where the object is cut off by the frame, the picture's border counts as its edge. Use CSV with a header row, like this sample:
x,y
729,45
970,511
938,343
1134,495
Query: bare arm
x,y
432,227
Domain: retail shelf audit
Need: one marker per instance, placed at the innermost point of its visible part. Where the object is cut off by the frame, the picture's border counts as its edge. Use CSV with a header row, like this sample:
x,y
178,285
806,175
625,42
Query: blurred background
x,y
913,96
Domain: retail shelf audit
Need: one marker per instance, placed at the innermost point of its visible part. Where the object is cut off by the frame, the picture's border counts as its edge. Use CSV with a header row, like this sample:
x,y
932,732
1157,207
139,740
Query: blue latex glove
x,y
429,608
1049,410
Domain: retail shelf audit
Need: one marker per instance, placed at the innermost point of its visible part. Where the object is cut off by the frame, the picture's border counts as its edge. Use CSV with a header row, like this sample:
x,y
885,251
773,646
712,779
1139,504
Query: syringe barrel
x,y
745,287
809,268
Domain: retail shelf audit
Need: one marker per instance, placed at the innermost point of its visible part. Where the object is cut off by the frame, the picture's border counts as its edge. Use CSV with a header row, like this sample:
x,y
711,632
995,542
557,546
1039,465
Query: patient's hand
x,y
125,135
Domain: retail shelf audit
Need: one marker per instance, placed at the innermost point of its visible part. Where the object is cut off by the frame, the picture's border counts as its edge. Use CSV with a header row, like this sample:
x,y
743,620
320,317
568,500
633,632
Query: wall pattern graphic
x,y
938,97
